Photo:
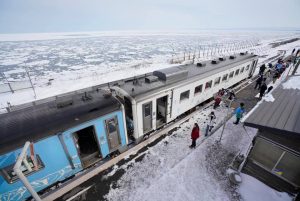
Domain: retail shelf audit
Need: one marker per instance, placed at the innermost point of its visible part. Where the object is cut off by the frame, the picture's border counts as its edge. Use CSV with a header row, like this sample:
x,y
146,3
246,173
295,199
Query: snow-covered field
x,y
77,60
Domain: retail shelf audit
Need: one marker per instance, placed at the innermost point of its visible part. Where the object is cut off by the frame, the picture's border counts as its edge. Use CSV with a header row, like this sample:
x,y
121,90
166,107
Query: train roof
x,y
42,119
169,77
282,116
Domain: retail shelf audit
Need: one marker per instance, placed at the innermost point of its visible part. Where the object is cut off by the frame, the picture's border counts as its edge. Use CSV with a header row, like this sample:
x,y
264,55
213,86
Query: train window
x,y
10,176
231,74
198,89
217,80
225,77
242,70
237,71
208,84
247,68
185,95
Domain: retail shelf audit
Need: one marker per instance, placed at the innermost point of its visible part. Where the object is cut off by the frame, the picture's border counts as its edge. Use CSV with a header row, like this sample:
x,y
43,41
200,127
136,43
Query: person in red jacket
x,y
195,135
217,101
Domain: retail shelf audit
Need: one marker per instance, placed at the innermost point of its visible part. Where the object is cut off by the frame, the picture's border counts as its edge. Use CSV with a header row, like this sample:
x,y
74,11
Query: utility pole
x,y
225,120
27,72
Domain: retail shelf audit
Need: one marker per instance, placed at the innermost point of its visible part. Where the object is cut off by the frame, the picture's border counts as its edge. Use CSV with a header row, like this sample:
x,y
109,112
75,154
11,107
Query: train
x,y
72,132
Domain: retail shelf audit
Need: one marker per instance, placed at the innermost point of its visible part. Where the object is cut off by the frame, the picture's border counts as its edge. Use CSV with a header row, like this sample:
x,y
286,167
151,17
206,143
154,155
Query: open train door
x,y
253,67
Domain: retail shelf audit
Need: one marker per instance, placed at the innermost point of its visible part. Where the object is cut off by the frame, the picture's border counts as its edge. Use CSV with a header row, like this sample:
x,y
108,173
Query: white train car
x,y
152,101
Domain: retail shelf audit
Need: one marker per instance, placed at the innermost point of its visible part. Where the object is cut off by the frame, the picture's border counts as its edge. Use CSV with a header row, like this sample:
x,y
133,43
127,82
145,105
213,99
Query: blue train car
x,y
68,134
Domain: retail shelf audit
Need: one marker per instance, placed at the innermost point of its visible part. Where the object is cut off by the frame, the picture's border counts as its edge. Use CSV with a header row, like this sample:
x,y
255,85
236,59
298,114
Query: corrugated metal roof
x,y
281,116
39,121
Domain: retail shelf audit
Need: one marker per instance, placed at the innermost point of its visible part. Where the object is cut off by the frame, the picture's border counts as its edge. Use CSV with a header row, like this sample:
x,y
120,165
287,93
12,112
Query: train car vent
x,y
64,102
222,58
242,53
232,57
201,64
172,74
215,61
151,79
86,97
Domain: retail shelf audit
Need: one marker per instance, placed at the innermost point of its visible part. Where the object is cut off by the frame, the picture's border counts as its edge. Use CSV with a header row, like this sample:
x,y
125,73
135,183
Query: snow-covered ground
x,y
78,60
171,170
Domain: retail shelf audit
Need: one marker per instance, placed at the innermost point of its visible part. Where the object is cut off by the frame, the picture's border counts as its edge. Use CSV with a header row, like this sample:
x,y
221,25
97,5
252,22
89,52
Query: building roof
x,y
38,121
181,74
282,116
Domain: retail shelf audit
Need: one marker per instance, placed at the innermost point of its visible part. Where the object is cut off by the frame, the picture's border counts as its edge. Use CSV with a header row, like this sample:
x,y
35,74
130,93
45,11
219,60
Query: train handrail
x,y
20,174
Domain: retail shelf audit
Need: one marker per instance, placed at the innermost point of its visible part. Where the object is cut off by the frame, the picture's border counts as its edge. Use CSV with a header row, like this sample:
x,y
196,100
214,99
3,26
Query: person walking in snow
x,y
212,117
263,89
239,113
195,135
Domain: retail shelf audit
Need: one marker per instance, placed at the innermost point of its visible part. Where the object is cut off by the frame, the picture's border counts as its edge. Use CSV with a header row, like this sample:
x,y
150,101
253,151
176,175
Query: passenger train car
x,y
157,99
74,131
68,135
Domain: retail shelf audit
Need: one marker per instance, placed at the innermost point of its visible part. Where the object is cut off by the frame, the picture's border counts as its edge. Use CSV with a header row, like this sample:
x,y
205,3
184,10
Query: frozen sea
x,y
63,62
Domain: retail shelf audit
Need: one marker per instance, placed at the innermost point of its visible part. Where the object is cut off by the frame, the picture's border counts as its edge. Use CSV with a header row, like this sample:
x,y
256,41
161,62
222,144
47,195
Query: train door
x,y
147,117
87,146
113,134
161,111
253,67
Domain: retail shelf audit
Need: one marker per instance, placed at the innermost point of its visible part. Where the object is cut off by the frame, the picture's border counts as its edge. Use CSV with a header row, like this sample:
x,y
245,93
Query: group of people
x,y
221,93
273,72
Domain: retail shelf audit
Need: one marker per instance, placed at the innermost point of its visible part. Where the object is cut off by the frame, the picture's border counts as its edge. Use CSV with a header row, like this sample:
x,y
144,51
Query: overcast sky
x,y
19,16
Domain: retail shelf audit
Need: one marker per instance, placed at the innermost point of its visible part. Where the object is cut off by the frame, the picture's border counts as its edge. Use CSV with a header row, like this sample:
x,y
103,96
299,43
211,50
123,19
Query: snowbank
x,y
292,83
253,190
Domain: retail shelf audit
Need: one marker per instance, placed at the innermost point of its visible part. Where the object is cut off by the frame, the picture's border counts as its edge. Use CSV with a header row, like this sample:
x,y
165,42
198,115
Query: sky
x,y
30,16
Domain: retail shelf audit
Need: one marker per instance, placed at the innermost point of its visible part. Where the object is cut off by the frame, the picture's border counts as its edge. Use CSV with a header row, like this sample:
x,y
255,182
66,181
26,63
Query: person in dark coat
x,y
195,135
259,81
262,69
263,89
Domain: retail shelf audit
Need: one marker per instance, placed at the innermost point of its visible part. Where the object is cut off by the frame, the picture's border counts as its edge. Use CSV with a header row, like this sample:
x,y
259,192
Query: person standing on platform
x,y
263,89
195,135
239,113
259,81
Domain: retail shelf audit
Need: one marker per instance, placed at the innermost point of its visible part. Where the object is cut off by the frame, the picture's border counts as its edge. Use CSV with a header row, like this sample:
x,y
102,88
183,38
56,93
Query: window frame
x,y
237,72
11,177
231,74
184,97
208,85
217,82
200,91
226,75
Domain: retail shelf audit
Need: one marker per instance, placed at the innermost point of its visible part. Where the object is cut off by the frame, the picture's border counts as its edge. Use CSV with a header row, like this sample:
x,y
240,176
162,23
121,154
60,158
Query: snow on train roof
x,y
281,116
180,74
45,119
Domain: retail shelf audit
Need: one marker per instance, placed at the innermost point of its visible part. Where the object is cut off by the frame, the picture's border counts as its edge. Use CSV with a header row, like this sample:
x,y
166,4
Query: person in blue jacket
x,y
239,113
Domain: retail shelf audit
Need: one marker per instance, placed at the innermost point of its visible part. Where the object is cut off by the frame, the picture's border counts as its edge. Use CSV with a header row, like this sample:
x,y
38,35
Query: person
x,y
212,117
293,51
195,135
258,81
262,69
231,95
270,65
217,101
275,76
263,89
239,113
